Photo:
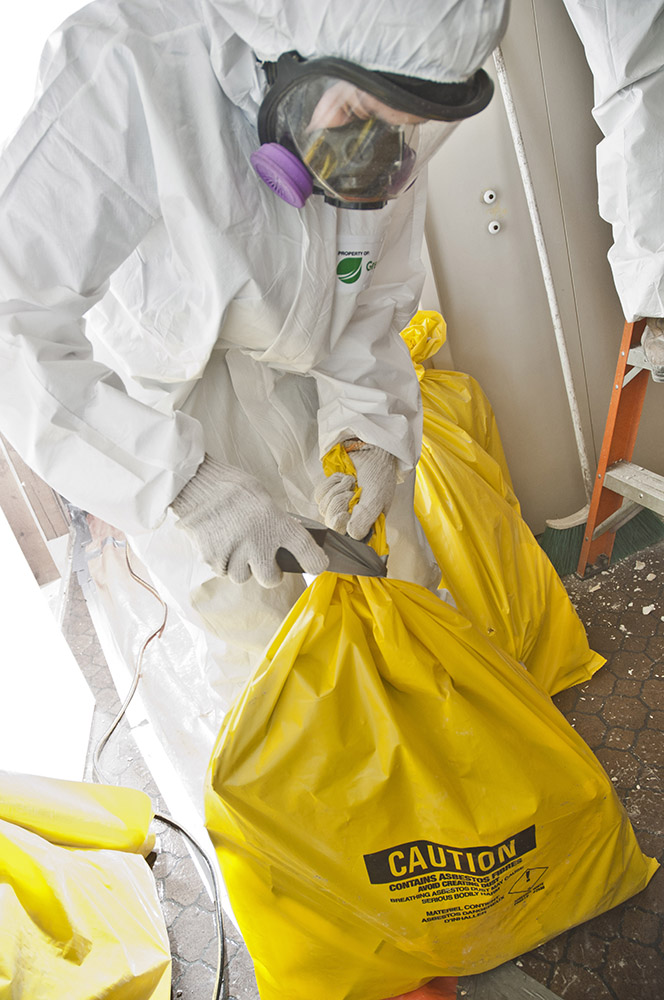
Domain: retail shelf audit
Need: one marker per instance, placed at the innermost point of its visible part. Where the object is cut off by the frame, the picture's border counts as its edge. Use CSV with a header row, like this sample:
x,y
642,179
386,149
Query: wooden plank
x,y
507,982
25,529
45,503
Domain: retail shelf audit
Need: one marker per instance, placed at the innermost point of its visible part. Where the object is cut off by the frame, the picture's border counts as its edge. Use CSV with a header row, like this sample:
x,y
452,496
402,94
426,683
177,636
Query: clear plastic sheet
x,y
175,689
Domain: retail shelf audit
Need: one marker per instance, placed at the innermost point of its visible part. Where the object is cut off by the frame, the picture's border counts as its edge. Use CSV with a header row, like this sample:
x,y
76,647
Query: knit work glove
x,y
237,527
376,472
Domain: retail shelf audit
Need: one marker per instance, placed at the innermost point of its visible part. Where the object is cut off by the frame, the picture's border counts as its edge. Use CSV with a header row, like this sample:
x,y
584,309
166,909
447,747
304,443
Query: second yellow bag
x,y
490,561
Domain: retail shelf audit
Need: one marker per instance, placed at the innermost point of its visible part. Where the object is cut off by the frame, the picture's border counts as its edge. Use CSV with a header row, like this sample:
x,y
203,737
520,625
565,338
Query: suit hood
x,y
441,40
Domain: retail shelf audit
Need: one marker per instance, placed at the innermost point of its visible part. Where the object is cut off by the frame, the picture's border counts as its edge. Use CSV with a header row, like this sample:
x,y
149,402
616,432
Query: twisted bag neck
x,y
424,337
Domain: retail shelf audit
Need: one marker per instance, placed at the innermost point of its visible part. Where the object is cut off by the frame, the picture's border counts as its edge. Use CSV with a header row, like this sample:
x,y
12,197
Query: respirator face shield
x,y
358,149
357,137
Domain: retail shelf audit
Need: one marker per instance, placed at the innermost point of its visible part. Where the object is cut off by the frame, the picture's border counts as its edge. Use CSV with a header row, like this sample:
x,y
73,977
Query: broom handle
x,y
538,233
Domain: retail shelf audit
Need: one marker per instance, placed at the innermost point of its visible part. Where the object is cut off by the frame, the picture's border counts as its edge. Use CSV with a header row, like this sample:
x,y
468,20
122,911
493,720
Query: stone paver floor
x,y
620,714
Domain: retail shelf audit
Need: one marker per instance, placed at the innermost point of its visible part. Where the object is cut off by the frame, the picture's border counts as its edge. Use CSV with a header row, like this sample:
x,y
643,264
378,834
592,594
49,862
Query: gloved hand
x,y
237,527
376,475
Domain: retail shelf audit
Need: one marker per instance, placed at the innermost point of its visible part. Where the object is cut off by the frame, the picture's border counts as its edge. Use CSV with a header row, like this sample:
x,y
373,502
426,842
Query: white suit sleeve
x,y
624,44
367,387
77,194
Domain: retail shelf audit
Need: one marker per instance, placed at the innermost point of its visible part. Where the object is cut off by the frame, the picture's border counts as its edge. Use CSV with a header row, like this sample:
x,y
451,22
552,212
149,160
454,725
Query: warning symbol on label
x,y
530,878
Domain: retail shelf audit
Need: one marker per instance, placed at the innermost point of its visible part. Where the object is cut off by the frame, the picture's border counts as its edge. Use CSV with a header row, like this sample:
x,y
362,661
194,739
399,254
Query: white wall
x,y
490,287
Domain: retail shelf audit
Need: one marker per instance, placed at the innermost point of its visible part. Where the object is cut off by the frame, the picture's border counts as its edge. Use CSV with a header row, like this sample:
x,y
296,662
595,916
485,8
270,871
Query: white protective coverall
x,y
624,45
158,301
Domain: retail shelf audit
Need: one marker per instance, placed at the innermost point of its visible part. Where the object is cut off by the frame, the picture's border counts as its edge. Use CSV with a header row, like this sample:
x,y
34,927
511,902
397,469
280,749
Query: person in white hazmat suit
x,y
190,314
624,45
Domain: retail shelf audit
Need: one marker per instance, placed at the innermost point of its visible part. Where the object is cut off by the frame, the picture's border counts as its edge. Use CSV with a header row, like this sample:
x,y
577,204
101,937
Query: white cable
x,y
220,983
134,684
524,170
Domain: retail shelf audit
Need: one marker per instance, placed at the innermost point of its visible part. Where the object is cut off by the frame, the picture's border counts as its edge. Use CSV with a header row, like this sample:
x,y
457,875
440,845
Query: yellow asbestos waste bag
x,y
79,914
392,799
490,561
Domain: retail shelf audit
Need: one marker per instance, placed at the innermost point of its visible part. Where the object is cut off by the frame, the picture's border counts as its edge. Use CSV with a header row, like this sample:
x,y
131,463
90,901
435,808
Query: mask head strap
x,y
446,102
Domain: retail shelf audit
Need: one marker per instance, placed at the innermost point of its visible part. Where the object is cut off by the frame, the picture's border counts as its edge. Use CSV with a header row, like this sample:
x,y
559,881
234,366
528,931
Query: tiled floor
x,y
620,713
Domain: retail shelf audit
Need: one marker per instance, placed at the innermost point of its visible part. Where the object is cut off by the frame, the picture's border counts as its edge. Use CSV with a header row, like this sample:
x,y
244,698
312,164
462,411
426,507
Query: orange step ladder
x,y
621,488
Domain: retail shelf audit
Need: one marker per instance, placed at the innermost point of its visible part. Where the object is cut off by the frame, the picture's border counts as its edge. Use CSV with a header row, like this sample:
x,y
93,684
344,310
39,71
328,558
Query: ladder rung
x,y
644,487
637,357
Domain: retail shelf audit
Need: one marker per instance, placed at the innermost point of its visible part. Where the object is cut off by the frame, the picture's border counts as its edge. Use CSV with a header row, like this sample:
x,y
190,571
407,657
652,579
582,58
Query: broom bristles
x,y
644,530
563,546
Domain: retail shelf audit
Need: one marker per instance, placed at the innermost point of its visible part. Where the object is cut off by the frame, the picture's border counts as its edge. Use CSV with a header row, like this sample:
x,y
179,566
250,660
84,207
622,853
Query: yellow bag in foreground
x,y
392,799
79,914
490,561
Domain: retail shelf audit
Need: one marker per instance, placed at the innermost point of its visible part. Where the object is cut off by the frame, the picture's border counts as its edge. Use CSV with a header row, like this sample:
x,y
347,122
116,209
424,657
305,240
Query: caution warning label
x,y
455,883
420,856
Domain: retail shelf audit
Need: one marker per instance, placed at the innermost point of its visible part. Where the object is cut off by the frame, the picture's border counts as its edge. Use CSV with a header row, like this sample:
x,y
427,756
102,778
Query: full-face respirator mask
x,y
355,136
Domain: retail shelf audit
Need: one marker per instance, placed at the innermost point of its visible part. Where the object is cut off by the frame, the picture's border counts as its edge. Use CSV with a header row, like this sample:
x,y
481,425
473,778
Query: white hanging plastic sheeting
x,y
623,44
